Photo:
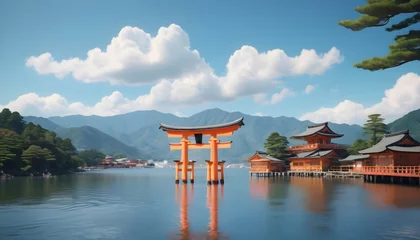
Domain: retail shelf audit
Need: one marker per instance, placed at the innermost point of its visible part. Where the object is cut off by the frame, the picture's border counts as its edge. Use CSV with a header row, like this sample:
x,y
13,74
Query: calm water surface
x,y
146,204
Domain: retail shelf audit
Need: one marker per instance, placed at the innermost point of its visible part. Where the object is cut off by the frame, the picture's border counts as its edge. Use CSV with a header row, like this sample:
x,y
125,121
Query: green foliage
x,y
30,148
378,13
357,146
10,148
91,157
375,128
276,145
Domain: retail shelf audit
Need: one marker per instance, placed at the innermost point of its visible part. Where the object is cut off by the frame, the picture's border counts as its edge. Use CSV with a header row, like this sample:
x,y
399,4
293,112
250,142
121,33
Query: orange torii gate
x,y
221,130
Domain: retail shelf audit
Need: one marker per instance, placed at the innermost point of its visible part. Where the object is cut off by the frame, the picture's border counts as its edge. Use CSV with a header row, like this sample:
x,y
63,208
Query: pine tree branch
x,y
405,23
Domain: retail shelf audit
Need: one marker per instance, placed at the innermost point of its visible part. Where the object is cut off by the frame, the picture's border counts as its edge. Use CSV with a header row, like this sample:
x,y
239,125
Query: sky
x,y
264,58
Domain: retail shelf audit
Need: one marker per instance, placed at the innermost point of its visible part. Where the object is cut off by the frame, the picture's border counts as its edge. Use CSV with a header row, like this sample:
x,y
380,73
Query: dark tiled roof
x,y
316,129
266,156
355,157
239,122
415,149
389,141
313,154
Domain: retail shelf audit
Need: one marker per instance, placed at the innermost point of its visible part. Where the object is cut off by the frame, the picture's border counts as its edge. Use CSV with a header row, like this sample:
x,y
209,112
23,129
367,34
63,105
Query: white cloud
x,y
402,98
309,89
259,114
278,97
180,74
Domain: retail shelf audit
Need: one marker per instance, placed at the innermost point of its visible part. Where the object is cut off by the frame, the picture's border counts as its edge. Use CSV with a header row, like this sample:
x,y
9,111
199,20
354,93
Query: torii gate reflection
x,y
182,197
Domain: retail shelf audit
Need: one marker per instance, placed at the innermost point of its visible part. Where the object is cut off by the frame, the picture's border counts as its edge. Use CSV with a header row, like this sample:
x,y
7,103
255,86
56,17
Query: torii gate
x,y
221,130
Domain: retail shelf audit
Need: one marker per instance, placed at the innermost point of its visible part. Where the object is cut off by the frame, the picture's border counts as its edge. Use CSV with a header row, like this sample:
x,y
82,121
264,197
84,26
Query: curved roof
x,y
239,122
390,141
266,156
355,157
318,129
313,154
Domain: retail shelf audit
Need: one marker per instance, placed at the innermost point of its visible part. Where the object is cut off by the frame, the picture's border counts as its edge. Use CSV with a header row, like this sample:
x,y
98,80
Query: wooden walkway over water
x,y
376,174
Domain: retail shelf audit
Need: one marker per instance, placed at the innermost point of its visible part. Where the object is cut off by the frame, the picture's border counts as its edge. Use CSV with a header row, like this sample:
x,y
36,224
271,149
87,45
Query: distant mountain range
x,y
137,134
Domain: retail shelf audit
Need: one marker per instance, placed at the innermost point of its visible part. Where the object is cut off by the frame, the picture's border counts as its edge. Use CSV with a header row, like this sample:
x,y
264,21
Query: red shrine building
x,y
261,162
319,152
395,151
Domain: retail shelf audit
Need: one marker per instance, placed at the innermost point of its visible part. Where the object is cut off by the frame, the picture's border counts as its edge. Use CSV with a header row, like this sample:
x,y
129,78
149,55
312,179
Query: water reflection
x,y
397,196
318,193
275,190
184,194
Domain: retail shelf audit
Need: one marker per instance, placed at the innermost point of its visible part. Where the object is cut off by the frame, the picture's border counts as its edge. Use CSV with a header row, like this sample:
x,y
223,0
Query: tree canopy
x,y
375,128
276,145
358,145
378,13
28,148
91,157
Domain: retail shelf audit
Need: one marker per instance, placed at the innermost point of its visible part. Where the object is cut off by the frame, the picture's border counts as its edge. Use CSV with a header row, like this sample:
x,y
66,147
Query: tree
x,y
10,148
37,158
91,157
375,128
358,145
378,13
276,145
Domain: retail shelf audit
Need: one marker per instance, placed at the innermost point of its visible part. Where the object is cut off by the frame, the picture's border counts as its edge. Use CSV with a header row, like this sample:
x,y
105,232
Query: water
x,y
146,204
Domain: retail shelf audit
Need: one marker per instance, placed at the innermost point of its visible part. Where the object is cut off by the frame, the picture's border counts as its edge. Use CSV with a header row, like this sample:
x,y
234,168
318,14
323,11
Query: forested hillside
x,y
29,149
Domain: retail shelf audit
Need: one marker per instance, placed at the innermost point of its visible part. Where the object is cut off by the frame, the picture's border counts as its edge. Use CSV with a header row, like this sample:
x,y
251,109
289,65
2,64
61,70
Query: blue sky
x,y
216,29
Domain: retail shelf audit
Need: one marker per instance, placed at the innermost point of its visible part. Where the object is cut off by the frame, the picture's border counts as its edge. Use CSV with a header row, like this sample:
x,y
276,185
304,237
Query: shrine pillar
x,y
214,159
208,172
184,158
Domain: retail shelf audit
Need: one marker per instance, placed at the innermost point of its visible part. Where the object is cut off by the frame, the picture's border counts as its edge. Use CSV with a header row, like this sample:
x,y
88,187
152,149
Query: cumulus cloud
x,y
403,97
278,97
309,88
179,73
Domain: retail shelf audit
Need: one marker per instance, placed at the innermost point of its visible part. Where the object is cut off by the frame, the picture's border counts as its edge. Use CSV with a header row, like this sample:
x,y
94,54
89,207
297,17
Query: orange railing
x,y
392,170
341,169
315,146
306,169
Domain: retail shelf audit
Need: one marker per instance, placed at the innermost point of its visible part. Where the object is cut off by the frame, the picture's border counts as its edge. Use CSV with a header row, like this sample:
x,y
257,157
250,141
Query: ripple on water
x,y
402,232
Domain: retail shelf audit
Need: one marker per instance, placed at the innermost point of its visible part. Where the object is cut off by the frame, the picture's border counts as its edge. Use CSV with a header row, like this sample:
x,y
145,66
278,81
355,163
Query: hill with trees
x,y
30,149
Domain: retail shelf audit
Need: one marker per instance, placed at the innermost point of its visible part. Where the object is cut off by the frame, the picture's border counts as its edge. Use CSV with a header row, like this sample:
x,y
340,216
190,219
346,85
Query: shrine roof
x,y
355,157
321,129
390,141
239,122
266,156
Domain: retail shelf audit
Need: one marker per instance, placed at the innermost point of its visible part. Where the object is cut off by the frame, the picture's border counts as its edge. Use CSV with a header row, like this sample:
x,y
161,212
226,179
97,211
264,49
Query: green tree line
x,y
29,149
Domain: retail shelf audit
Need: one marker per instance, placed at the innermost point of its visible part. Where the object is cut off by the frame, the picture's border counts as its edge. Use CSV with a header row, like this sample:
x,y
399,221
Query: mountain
x,y
141,130
43,122
410,121
87,137
117,126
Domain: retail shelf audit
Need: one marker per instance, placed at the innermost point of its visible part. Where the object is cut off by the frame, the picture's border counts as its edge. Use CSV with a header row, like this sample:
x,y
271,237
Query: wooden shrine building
x,y
262,163
397,154
213,131
319,152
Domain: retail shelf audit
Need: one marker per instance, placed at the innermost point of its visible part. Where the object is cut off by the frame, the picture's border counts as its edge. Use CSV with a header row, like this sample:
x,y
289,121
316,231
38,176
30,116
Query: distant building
x,y
261,162
319,153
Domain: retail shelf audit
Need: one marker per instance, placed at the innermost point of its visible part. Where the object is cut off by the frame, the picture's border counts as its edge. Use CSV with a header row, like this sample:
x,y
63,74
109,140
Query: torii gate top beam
x,y
224,129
